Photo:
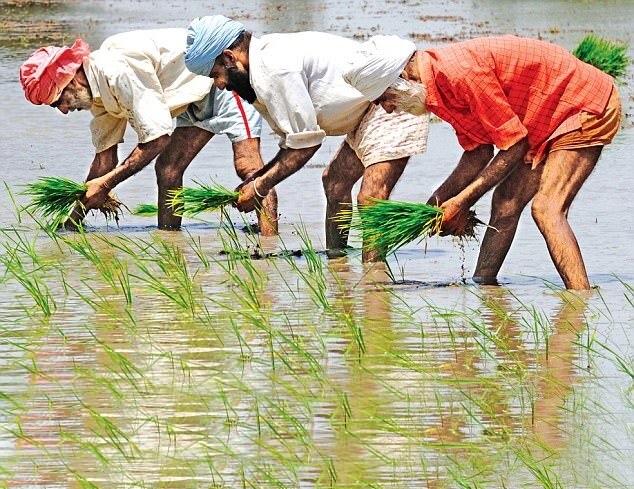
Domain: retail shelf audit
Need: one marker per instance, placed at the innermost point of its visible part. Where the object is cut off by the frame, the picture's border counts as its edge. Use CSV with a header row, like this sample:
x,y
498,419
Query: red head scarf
x,y
48,70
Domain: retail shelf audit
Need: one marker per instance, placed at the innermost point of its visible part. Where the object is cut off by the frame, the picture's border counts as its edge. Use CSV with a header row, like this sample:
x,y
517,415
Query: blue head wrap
x,y
207,37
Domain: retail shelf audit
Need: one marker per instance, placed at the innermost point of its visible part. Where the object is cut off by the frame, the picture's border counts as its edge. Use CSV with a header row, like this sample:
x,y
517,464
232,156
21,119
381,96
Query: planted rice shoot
x,y
607,56
56,197
190,201
145,210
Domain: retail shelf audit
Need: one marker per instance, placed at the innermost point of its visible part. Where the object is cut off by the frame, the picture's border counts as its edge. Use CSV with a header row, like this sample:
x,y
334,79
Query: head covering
x,y
381,61
207,37
48,70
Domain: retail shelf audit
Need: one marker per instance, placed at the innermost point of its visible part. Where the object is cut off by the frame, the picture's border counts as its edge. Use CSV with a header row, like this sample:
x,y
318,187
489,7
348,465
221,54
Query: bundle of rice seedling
x,y
387,224
146,210
608,56
56,197
190,201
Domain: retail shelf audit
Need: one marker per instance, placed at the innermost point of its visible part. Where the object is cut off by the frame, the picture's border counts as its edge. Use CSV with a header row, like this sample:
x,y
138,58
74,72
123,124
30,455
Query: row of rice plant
x,y
152,362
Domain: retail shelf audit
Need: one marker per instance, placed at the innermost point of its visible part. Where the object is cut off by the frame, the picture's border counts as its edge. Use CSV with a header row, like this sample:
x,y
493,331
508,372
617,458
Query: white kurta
x,y
140,77
298,79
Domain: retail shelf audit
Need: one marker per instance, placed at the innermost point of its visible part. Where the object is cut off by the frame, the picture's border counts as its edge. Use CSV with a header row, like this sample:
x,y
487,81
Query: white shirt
x,y
140,77
298,79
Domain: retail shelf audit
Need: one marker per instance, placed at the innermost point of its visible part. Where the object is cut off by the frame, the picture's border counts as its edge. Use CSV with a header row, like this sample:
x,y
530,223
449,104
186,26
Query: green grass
x,y
607,56
190,201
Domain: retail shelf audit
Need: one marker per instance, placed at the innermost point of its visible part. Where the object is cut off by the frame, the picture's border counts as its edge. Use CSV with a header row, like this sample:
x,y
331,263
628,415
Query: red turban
x,y
48,70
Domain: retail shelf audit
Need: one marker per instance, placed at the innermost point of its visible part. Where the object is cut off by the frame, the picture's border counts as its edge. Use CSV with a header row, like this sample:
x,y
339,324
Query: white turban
x,y
380,62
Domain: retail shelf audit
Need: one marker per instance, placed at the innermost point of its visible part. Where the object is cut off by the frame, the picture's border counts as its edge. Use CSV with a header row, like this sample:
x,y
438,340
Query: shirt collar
x,y
255,60
92,79
426,69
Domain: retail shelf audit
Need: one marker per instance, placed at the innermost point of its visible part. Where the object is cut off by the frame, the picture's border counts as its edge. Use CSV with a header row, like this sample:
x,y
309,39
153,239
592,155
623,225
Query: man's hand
x,y
249,199
455,217
96,193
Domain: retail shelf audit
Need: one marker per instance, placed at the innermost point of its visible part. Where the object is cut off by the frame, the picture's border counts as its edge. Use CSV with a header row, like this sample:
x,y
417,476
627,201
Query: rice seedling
x,y
55,198
145,210
388,225
605,55
190,201
18,215
32,282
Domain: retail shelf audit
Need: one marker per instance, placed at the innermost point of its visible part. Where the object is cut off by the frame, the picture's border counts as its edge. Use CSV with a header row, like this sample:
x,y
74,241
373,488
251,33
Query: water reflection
x,y
163,366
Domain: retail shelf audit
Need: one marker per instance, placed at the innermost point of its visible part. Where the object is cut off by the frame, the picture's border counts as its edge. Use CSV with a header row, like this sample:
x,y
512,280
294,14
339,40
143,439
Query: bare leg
x,y
378,181
564,173
338,180
509,200
185,144
247,159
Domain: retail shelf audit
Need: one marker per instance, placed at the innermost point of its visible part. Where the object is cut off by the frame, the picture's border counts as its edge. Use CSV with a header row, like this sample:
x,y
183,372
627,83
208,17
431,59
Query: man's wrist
x,y
258,189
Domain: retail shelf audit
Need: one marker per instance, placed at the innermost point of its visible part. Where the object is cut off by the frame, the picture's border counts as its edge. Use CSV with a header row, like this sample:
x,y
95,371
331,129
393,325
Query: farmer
x,y
548,113
140,77
295,81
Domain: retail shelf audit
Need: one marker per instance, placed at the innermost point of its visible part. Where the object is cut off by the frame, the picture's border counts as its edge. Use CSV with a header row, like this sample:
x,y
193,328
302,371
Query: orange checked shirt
x,y
498,90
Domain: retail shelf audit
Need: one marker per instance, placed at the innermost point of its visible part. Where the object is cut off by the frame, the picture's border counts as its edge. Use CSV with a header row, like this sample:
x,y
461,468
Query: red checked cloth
x,y
498,90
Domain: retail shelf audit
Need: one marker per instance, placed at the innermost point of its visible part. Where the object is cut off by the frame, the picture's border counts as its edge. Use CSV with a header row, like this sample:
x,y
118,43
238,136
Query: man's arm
x,y
470,165
103,162
286,162
140,157
501,166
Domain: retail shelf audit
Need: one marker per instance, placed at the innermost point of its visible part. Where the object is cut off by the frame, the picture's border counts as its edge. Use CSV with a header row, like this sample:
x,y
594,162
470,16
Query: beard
x,y
82,100
238,81
408,96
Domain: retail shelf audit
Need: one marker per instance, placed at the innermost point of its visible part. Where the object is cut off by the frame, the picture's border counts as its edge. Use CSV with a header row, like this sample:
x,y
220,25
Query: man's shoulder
x,y
131,40
288,51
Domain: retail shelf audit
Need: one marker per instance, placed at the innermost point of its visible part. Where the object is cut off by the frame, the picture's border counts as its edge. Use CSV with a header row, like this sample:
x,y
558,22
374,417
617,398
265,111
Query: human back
x,y
544,84
321,59
156,53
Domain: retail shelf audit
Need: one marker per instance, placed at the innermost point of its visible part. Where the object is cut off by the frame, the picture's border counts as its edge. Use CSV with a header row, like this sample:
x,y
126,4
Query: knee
x,y
168,167
505,207
244,171
545,212
364,199
326,179
334,185
162,166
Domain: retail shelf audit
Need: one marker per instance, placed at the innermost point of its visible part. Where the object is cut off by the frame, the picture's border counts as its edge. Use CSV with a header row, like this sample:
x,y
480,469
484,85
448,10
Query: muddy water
x,y
424,383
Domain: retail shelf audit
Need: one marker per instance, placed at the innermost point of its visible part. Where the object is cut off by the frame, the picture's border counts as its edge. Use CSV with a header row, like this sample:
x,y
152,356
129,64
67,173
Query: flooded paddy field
x,y
131,357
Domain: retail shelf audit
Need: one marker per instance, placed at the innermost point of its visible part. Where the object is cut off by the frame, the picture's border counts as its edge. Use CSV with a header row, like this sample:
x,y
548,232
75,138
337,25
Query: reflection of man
x,y
535,102
295,81
140,77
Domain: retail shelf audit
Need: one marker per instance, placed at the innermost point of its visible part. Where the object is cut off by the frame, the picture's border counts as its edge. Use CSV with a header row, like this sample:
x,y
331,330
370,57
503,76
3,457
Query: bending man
x,y
140,78
295,81
548,113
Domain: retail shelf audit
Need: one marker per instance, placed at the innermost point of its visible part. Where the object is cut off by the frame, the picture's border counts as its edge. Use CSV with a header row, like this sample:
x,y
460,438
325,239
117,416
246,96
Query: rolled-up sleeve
x,y
289,104
140,96
484,95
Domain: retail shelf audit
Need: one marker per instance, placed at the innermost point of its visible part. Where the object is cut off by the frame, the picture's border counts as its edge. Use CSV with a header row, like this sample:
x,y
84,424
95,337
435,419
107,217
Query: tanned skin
x,y
176,153
551,186
343,172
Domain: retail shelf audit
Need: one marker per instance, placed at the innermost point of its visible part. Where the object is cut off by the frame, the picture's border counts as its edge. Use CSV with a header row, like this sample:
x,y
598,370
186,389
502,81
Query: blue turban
x,y
207,37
